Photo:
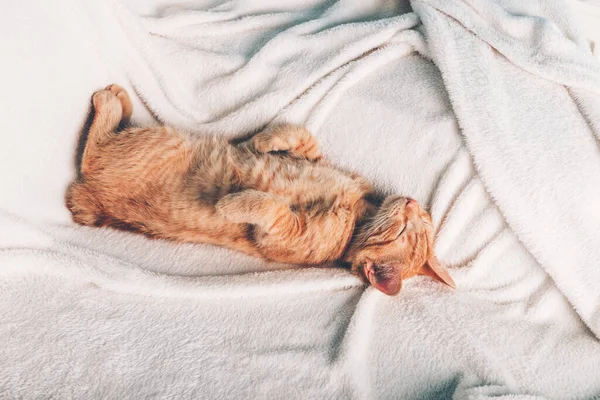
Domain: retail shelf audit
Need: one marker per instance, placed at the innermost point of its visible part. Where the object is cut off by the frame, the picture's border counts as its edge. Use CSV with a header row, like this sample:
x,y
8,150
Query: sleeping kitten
x,y
270,196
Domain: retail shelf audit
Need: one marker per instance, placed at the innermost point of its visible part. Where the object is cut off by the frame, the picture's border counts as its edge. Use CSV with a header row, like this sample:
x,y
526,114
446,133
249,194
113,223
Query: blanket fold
x,y
498,137
526,96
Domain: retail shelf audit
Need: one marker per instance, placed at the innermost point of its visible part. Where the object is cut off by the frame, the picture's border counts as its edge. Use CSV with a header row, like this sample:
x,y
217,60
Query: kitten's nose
x,y
410,201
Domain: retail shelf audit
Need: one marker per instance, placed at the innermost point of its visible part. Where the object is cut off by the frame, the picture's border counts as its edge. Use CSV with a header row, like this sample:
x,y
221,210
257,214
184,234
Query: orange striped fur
x,y
270,196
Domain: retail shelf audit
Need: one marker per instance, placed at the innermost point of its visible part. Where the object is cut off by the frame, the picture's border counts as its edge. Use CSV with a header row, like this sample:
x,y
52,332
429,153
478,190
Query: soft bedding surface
x,y
487,112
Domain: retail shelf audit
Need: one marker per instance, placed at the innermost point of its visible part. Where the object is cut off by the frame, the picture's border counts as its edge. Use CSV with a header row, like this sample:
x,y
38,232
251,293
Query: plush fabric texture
x,y
486,111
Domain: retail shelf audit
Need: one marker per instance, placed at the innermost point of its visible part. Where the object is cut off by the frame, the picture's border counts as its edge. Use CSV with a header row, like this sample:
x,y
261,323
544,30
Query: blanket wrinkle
x,y
350,41
352,360
507,138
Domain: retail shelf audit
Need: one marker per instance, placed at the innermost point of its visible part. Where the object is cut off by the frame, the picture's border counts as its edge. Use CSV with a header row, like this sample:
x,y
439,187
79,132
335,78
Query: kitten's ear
x,y
385,278
437,271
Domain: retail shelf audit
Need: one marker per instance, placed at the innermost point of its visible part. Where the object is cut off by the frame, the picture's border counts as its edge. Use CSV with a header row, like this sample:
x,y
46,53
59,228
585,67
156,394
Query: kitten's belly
x,y
327,201
300,182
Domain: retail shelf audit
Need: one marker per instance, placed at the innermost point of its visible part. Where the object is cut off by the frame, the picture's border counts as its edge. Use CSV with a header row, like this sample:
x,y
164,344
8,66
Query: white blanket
x,y
512,187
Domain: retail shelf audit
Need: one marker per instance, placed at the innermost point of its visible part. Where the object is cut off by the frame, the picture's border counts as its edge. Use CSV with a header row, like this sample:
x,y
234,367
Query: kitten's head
x,y
396,244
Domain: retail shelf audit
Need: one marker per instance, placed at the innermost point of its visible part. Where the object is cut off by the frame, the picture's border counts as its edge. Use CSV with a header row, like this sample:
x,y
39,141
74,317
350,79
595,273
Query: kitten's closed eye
x,y
402,231
270,196
381,239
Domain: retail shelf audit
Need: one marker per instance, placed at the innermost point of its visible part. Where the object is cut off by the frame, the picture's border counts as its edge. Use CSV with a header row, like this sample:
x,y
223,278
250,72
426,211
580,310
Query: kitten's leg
x,y
112,106
259,208
296,140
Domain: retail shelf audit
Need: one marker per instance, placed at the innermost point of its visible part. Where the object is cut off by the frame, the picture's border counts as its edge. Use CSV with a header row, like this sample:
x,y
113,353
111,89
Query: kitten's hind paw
x,y
113,104
123,97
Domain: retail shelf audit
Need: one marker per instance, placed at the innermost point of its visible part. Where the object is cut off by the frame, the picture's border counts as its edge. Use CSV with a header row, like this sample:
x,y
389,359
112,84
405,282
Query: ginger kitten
x,y
270,196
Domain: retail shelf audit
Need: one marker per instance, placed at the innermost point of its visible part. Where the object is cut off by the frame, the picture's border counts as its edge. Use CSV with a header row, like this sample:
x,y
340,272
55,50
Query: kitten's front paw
x,y
226,206
295,140
309,149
